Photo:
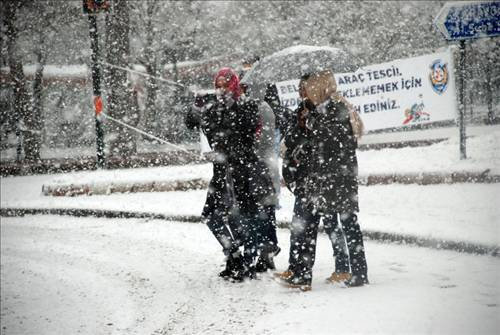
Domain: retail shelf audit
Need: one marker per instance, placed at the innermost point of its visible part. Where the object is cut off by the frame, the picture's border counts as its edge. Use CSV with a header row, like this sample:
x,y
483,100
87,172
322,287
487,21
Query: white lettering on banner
x,y
288,92
399,93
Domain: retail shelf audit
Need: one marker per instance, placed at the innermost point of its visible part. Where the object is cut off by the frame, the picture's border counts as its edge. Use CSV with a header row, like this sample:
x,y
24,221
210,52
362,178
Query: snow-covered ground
x,y
63,275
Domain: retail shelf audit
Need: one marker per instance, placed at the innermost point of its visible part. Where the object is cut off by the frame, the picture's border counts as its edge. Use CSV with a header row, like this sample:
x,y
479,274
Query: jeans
x,y
355,245
303,238
303,233
338,240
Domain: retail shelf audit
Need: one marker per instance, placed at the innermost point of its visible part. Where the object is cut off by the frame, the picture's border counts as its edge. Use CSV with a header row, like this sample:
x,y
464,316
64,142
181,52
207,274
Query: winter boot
x,y
357,280
262,264
284,275
339,277
226,273
266,259
270,257
234,268
238,269
245,272
296,283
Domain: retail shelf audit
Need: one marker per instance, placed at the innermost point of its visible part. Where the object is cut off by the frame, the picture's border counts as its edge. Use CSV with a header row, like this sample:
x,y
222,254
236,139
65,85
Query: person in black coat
x,y
231,127
332,186
265,150
297,169
216,212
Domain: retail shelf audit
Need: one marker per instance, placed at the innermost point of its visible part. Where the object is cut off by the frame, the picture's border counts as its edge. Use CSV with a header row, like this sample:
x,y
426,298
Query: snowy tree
x,y
21,108
144,25
121,140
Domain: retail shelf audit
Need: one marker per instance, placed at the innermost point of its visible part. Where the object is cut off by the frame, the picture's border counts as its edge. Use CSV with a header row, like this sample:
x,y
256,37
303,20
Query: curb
x,y
96,189
199,183
399,144
98,213
430,178
412,240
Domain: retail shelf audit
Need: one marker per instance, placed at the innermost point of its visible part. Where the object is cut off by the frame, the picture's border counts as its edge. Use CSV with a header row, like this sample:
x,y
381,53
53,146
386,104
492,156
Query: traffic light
x,y
96,6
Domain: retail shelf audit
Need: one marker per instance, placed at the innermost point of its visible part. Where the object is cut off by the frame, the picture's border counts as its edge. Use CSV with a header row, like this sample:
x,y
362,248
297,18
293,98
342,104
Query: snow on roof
x,y
64,70
302,49
53,70
138,67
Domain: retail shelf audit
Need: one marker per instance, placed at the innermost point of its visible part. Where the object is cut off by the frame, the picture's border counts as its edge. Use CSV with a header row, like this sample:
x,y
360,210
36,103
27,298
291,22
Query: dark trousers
x,y
338,240
303,237
256,219
355,244
235,218
217,211
254,232
270,238
218,225
251,232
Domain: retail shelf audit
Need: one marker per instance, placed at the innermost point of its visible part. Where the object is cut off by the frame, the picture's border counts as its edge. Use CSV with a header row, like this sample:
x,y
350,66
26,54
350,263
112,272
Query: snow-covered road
x,y
64,275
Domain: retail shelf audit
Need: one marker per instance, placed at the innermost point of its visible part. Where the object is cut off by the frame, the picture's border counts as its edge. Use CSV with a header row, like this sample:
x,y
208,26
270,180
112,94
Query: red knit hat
x,y
232,79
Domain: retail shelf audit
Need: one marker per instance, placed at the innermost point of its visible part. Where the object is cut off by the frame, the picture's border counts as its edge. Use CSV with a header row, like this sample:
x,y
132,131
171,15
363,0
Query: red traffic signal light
x,y
95,6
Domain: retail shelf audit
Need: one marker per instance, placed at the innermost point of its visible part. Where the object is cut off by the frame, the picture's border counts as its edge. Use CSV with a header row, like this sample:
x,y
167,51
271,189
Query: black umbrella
x,y
293,62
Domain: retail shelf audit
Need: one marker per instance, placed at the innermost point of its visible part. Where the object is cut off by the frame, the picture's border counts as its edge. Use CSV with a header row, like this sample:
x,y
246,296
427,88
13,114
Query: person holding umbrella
x,y
327,177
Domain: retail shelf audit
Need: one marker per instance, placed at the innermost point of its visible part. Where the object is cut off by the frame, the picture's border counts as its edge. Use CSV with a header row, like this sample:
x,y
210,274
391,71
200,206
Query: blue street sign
x,y
468,20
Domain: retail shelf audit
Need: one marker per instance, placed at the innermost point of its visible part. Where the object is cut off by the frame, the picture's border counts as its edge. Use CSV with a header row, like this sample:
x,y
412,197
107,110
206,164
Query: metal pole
x,y
489,91
19,137
96,83
461,106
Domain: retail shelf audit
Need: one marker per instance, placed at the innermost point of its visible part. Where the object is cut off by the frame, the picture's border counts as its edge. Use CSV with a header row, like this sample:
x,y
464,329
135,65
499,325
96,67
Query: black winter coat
x,y
219,196
297,160
334,178
231,131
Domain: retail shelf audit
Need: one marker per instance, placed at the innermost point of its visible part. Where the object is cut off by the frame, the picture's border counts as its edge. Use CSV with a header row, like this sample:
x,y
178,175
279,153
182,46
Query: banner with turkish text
x,y
399,93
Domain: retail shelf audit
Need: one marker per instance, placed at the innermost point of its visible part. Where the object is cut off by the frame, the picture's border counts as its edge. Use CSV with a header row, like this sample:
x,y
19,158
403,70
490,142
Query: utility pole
x,y
92,8
461,102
